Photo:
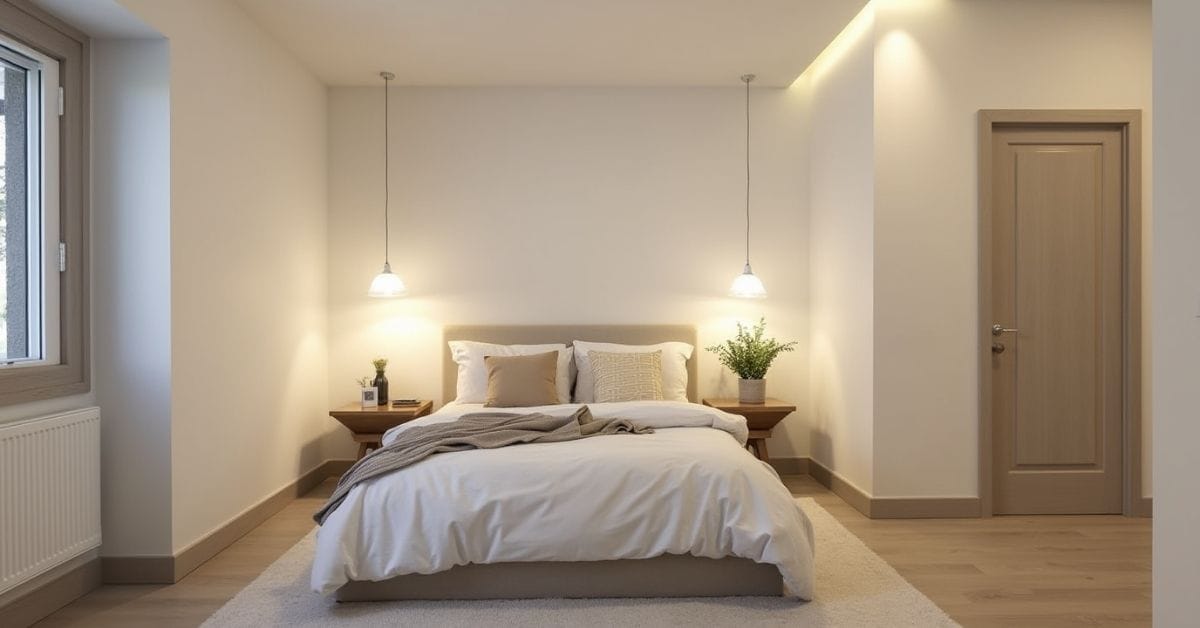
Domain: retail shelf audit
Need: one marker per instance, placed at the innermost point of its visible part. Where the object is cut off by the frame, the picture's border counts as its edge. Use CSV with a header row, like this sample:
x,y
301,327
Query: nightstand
x,y
761,418
368,424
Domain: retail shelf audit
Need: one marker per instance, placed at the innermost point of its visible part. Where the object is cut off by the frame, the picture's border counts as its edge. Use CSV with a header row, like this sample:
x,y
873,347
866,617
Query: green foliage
x,y
380,363
749,354
364,382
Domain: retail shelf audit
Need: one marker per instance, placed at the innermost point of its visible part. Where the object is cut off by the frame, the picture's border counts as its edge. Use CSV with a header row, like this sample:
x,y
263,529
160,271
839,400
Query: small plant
x,y
380,363
749,354
364,382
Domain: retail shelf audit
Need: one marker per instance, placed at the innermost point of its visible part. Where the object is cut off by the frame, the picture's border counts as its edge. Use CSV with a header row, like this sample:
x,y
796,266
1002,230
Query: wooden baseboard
x,y
53,594
840,487
894,507
335,468
138,569
924,508
1143,507
172,569
790,466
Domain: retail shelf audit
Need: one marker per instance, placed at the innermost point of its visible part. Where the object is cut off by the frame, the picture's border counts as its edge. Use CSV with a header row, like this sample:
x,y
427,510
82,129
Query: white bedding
x,y
690,487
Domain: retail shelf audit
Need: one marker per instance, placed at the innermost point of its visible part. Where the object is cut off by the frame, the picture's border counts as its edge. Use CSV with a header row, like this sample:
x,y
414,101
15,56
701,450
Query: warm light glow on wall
x,y
908,4
899,45
858,28
408,332
402,321
899,57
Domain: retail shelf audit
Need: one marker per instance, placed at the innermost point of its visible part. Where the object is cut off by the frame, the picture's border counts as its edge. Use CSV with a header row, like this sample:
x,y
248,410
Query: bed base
x,y
664,576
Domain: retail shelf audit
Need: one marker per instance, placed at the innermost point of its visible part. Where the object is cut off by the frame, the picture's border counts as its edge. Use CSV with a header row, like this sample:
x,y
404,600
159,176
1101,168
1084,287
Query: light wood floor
x,y
1003,571
1027,572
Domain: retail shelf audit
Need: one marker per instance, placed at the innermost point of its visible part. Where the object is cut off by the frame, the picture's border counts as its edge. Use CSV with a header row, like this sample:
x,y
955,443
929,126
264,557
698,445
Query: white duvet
x,y
689,488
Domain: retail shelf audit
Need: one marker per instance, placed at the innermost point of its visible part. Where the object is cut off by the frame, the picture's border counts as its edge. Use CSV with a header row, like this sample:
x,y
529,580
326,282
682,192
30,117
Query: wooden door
x,y
1057,305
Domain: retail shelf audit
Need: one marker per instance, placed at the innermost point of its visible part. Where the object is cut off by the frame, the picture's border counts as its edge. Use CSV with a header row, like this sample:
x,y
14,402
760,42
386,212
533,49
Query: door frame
x,y
1129,121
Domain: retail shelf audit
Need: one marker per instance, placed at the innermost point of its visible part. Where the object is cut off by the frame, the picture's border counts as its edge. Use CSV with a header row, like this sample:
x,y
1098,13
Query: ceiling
x,y
102,19
555,42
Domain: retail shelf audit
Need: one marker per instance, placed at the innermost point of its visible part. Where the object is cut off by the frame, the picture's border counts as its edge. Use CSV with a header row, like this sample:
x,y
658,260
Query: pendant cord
x,y
386,183
747,80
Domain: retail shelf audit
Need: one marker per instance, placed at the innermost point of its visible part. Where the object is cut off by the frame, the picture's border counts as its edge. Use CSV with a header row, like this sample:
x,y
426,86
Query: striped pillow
x,y
627,376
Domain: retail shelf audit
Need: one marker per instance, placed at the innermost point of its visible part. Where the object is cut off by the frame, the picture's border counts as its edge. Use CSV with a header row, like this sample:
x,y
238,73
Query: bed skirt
x,y
663,576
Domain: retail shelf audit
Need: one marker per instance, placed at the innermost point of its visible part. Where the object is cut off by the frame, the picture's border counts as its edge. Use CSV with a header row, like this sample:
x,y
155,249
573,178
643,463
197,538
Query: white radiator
x,y
49,493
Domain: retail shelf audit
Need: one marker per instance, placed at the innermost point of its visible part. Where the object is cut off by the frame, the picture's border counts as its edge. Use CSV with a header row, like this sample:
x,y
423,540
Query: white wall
x,y
248,322
131,290
839,88
1176,315
936,63
534,205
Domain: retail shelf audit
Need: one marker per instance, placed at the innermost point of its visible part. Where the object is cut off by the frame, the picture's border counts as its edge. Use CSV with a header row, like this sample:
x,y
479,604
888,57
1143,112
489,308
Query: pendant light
x,y
747,285
386,285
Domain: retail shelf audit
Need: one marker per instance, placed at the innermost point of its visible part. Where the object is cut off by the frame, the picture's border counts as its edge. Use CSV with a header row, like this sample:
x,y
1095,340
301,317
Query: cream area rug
x,y
854,587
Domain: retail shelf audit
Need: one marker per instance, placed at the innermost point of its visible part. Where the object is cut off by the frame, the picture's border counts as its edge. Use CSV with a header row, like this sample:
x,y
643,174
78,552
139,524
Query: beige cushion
x,y
521,380
627,376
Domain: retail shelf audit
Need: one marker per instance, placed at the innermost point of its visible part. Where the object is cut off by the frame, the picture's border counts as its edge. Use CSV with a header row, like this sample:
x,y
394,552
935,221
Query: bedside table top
x,y
761,418
414,411
733,406
378,419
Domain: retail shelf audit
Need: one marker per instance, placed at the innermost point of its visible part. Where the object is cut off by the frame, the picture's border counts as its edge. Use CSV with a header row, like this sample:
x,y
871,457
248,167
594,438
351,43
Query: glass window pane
x,y
16,136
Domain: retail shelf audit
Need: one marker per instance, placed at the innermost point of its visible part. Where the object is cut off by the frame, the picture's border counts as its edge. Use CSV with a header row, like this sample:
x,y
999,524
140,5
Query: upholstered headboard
x,y
546,334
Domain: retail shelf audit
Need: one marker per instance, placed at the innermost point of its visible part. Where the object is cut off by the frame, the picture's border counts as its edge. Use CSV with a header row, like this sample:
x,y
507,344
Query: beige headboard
x,y
546,334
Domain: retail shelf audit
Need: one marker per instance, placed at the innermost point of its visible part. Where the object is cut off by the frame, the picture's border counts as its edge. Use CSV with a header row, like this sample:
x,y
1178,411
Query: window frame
x,y
34,28
42,225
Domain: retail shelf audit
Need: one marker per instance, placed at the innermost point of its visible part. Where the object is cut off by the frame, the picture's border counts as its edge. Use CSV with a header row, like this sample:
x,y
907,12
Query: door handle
x,y
998,329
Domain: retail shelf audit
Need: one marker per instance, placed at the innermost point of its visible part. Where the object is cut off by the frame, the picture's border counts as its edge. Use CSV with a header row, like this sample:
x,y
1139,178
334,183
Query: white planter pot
x,y
752,390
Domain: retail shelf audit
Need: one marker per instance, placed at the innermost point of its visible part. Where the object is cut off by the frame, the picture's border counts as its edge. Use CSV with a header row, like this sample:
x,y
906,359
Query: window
x,y
44,340
29,209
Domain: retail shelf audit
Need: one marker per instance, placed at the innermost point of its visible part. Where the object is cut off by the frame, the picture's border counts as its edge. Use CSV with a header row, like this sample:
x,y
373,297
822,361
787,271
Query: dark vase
x,y
381,384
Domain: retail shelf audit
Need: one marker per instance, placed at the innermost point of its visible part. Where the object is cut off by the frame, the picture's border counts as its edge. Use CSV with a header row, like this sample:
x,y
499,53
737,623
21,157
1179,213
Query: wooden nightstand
x,y
760,417
368,424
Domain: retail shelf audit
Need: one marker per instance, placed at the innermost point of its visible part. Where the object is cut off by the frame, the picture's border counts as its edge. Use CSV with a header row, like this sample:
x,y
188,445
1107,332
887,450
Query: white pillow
x,y
674,367
472,373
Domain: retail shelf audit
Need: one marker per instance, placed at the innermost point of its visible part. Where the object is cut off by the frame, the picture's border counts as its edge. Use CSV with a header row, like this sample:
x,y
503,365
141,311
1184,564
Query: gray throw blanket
x,y
480,430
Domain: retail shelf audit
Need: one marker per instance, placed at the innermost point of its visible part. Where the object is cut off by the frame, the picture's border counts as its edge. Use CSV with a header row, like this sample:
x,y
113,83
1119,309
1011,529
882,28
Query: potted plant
x,y
750,355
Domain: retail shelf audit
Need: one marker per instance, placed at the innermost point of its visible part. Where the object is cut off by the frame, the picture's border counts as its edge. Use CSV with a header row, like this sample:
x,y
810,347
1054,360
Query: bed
x,y
684,511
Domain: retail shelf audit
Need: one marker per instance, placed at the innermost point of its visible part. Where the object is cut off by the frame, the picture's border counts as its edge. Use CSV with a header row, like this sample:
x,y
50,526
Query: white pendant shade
x,y
748,286
387,285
